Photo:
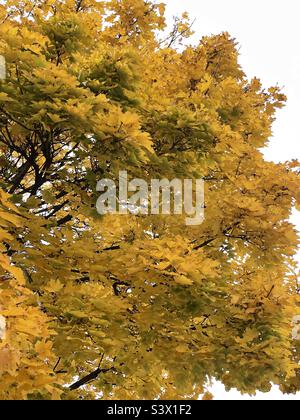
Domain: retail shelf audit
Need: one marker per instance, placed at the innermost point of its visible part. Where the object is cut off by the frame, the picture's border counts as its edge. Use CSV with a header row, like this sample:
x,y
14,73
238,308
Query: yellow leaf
x,y
8,360
53,286
10,217
43,348
182,348
248,337
207,397
183,280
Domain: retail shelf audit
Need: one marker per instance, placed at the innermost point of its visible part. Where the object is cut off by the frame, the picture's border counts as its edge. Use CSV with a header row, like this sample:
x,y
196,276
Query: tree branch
x,y
90,377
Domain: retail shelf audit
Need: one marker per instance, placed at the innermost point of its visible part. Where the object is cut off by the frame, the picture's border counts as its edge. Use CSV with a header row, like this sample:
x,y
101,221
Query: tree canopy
x,y
138,307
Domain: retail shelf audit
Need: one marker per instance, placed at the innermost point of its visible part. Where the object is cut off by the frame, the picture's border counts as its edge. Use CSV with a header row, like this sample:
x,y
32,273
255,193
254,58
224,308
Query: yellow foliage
x,y
96,87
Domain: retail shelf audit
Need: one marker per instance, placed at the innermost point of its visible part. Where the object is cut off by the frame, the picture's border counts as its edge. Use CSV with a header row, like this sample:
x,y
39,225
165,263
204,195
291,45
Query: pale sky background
x,y
268,32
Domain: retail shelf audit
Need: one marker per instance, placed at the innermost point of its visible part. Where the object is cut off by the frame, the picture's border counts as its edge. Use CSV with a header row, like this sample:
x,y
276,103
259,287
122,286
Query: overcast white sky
x,y
268,32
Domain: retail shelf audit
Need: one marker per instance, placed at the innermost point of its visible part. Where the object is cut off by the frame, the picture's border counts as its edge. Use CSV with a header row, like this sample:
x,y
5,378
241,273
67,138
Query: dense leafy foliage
x,y
96,87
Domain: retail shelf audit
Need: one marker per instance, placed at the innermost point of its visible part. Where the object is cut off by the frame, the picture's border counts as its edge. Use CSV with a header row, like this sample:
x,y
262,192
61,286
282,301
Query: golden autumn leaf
x,y
53,286
8,360
207,397
183,280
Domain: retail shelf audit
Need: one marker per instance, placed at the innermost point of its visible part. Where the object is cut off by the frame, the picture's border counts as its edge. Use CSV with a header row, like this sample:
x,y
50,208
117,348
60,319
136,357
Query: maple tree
x,y
133,307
